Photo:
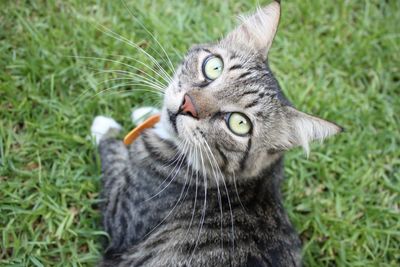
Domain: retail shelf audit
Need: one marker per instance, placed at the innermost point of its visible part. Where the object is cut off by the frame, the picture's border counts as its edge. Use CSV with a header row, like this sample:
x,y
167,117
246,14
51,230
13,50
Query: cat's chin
x,y
187,129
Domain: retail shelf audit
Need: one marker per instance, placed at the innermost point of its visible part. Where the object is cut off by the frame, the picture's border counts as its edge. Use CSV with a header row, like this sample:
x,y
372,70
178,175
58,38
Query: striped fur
x,y
148,228
205,196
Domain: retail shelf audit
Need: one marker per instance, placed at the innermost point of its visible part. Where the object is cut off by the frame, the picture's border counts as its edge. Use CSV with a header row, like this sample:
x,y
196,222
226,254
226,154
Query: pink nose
x,y
188,108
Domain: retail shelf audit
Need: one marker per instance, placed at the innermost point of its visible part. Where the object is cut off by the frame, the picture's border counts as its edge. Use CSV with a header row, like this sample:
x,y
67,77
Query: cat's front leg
x,y
104,127
115,172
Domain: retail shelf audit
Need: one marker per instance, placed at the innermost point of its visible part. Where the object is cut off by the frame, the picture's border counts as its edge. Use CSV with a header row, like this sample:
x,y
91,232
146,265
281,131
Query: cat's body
x,y
203,187
259,235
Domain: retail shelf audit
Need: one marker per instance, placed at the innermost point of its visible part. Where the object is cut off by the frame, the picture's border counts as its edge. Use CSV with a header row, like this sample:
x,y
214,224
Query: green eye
x,y
212,67
238,123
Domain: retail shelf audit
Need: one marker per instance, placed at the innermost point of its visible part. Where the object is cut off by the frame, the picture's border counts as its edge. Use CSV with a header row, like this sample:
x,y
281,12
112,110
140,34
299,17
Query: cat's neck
x,y
159,159
156,148
263,189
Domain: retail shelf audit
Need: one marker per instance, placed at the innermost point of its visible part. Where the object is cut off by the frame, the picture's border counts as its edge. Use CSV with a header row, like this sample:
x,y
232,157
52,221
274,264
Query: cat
x,y
202,188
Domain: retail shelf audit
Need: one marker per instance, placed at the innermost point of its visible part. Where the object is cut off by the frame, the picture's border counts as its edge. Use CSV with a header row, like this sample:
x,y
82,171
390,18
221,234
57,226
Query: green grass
x,y
336,59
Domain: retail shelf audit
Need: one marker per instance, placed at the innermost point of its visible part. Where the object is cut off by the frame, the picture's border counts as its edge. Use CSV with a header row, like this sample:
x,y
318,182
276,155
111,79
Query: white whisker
x,y
130,79
176,203
148,76
227,192
118,37
139,82
152,69
156,84
171,66
195,194
151,88
204,207
218,190
108,89
182,159
237,193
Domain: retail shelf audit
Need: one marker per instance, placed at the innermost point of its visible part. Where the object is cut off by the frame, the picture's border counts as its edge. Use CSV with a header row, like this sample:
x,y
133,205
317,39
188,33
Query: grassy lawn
x,y
336,59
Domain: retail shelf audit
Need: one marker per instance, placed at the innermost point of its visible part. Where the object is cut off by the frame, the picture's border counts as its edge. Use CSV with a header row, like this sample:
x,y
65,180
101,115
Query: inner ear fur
x,y
305,128
258,30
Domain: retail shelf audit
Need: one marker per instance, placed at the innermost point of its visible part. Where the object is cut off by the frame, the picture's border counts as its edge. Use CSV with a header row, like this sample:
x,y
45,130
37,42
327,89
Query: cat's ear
x,y
305,128
258,30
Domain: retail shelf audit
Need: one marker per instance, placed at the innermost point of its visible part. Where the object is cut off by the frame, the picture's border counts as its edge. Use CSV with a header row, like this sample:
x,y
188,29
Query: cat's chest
x,y
162,201
177,216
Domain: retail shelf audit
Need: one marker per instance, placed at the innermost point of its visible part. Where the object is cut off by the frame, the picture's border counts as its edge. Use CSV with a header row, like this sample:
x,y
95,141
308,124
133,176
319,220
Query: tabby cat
x,y
202,188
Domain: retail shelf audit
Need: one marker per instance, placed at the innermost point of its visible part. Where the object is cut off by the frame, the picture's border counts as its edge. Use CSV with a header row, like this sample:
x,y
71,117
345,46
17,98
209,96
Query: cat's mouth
x,y
172,119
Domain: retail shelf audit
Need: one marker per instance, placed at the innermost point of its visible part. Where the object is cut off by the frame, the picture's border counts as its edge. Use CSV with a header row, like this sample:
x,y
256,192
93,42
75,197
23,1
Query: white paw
x,y
141,114
104,127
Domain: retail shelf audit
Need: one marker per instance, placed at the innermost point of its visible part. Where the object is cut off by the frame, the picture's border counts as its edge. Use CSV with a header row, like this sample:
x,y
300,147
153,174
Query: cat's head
x,y
225,101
